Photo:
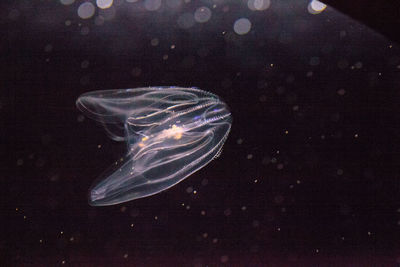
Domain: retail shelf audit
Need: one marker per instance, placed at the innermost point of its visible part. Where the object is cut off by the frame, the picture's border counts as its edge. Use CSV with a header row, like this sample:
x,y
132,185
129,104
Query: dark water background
x,y
309,175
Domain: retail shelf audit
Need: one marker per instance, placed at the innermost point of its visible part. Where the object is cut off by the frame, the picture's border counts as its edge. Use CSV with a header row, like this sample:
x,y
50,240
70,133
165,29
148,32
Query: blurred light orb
x,y
103,4
258,5
48,48
316,7
152,5
242,26
154,42
174,3
186,20
314,61
202,14
86,10
85,64
14,14
67,2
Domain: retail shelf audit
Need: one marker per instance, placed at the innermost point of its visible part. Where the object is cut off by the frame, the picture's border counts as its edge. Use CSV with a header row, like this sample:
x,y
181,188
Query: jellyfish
x,y
170,133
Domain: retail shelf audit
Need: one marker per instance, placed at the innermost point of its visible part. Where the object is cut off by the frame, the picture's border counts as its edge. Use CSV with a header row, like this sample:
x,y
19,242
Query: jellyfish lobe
x,y
170,133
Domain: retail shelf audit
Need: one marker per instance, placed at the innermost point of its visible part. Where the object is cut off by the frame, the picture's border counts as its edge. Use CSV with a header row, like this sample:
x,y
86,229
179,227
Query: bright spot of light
x,y
86,10
152,5
258,4
316,7
202,14
103,4
67,2
242,26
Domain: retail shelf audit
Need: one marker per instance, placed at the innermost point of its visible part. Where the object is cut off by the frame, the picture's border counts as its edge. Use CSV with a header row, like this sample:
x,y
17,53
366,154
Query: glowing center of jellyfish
x,y
174,132
171,133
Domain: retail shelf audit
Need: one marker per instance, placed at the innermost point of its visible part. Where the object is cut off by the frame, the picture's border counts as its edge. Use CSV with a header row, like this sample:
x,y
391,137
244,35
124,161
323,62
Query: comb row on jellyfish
x,y
170,133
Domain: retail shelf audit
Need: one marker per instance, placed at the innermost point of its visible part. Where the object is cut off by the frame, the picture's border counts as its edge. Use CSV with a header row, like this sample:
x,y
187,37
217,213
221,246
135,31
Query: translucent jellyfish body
x,y
170,133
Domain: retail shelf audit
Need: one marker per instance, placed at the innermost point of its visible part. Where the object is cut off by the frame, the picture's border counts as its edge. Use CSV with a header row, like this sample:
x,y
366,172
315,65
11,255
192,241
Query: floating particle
x,y
186,21
242,26
48,48
202,14
103,4
224,258
86,10
258,5
67,2
316,7
154,42
341,91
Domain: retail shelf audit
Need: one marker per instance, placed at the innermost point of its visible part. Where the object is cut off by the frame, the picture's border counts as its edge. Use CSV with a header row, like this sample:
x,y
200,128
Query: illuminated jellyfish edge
x,y
100,183
207,159
95,197
104,94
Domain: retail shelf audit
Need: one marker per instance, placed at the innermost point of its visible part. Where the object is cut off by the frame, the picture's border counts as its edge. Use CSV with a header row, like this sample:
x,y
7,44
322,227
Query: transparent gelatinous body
x,y
170,133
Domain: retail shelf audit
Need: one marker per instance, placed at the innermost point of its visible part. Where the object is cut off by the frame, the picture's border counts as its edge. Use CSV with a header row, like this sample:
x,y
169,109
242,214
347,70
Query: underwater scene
x,y
197,133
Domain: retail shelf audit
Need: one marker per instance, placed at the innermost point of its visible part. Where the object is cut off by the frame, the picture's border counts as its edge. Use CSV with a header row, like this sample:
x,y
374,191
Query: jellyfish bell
x,y
170,133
